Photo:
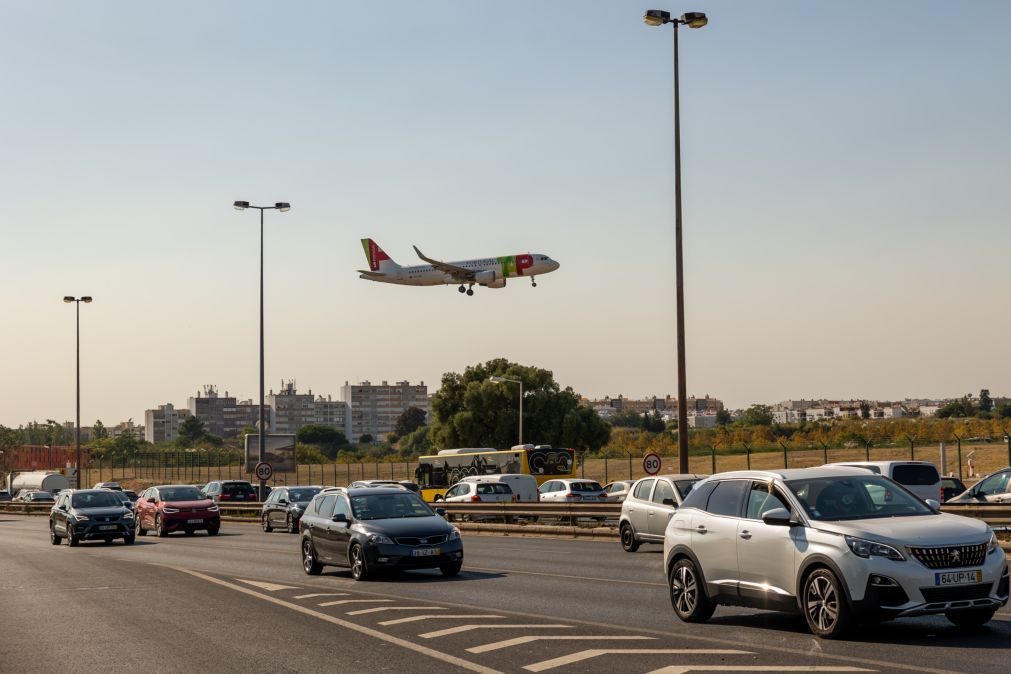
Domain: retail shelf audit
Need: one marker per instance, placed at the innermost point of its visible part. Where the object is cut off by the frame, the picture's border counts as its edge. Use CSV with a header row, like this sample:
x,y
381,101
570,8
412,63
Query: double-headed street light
x,y
503,380
283,207
77,427
658,17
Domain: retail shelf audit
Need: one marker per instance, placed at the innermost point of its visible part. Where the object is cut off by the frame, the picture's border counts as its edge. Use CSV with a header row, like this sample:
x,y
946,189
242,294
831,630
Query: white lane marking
x,y
416,618
579,656
467,628
322,594
388,638
684,669
353,601
380,609
519,641
269,587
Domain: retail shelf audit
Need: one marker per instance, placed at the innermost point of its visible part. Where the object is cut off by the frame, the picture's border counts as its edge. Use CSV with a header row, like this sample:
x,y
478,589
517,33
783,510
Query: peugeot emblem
x,y
423,541
956,556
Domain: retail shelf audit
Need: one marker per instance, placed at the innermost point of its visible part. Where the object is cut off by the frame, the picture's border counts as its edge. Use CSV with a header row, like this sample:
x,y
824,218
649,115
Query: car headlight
x,y
80,518
170,511
128,515
213,508
454,534
380,538
296,509
993,545
867,549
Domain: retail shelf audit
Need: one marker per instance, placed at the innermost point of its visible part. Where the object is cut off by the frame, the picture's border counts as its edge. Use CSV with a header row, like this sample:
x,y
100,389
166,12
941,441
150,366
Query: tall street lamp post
x,y
503,380
656,17
283,207
77,426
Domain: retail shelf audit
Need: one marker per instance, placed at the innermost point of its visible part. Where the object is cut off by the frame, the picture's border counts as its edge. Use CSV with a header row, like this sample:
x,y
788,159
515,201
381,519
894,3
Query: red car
x,y
176,507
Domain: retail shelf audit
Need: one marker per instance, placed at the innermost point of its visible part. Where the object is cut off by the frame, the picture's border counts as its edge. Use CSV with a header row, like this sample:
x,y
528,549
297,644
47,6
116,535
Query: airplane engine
x,y
499,283
489,279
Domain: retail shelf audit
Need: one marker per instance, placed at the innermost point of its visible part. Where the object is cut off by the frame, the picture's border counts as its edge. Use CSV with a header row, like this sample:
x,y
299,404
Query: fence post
x,y
712,456
867,450
786,460
912,454
824,451
377,470
605,470
747,452
959,440
99,470
629,463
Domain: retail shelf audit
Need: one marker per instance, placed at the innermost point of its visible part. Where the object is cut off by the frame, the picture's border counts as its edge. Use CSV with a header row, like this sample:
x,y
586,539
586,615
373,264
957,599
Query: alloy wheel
x,y
822,603
684,590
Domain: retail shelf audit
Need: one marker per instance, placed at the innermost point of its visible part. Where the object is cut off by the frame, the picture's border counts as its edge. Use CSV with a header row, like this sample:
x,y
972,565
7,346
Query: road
x,y
241,603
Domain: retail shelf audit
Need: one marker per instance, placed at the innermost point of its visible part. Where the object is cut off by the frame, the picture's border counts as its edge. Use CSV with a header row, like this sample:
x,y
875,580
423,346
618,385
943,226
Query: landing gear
x,y
462,289
470,291
533,282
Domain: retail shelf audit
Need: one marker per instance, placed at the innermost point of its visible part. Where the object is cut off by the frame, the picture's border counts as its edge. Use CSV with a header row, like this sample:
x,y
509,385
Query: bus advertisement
x,y
437,473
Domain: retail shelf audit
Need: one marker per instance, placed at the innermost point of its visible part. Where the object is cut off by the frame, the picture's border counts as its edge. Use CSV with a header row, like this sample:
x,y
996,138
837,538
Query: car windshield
x,y
855,497
95,499
180,494
123,498
389,506
302,495
232,488
585,486
130,494
42,494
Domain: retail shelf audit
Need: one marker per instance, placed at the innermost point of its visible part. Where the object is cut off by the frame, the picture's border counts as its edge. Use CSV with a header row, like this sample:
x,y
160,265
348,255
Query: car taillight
x,y
224,497
602,495
475,499
516,497
942,494
570,496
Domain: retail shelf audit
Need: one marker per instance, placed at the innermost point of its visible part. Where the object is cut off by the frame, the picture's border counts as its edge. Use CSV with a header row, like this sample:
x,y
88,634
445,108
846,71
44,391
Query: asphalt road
x,y
241,603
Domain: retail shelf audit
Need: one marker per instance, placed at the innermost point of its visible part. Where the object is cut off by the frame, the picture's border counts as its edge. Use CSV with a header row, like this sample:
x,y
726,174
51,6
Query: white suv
x,y
837,544
649,506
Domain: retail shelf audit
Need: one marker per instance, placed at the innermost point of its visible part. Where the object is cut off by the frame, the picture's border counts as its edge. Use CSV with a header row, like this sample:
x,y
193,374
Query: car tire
x,y
290,524
107,541
190,532
310,564
450,570
53,538
971,619
265,523
628,542
129,539
213,532
824,604
359,565
159,528
141,531
688,593
72,539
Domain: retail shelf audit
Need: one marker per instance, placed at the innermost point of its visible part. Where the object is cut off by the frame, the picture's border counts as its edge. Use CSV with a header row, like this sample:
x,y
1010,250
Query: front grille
x,y
957,593
951,557
108,518
431,540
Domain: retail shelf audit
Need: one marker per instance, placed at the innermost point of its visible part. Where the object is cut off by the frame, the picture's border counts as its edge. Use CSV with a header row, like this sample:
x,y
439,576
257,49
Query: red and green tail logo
x,y
374,253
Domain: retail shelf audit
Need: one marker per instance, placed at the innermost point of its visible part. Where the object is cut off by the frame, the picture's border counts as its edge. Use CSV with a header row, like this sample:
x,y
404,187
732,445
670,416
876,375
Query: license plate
x,y
425,552
194,521
958,577
239,497
107,527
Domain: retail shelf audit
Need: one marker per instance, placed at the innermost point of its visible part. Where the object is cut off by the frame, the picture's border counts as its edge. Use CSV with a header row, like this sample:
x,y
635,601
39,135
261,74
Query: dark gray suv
x,y
90,514
375,529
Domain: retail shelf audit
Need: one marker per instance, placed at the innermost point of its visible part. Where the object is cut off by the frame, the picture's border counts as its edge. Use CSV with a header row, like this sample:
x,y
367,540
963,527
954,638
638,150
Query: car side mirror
x,y
340,517
979,495
670,502
778,517
62,507
933,505
150,499
441,512
282,501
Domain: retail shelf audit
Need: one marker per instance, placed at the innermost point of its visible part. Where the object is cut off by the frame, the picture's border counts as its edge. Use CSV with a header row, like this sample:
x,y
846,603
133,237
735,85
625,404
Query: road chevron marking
x,y
269,587
579,656
322,594
467,628
353,601
380,609
519,641
361,629
684,669
416,618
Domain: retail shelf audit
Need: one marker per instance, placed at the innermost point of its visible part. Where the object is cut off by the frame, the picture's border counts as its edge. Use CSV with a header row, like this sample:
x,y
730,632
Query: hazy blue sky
x,y
846,196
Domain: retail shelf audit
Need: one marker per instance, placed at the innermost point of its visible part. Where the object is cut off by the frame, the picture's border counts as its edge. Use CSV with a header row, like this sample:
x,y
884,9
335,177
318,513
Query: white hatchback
x,y
573,491
836,544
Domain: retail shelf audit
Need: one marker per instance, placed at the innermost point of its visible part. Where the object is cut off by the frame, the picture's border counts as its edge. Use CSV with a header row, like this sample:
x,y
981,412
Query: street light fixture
x,y
283,207
657,17
67,299
503,380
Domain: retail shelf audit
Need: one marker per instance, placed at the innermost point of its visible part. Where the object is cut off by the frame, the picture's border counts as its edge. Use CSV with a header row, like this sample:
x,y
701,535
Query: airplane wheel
x,y
462,289
534,284
470,292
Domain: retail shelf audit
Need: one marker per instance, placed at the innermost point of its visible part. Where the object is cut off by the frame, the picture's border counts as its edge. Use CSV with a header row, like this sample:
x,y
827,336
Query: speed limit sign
x,y
264,471
651,463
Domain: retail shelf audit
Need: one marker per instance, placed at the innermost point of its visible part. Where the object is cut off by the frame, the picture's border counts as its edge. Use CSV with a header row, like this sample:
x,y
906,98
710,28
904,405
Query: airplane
x,y
490,272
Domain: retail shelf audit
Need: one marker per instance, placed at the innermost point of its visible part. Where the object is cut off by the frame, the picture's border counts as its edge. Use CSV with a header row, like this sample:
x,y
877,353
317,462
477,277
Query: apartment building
x,y
374,408
222,415
162,424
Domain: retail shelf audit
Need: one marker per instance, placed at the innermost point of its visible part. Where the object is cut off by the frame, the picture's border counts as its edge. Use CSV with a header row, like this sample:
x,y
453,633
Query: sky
x,y
845,188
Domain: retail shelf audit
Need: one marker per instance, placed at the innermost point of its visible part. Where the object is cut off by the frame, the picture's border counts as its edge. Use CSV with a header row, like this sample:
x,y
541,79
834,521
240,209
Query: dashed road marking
x,y
684,669
416,618
353,601
467,628
579,656
322,594
269,587
519,641
380,609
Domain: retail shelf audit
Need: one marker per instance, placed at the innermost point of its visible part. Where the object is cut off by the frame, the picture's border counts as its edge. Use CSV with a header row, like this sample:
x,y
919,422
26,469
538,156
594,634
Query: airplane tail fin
x,y
377,257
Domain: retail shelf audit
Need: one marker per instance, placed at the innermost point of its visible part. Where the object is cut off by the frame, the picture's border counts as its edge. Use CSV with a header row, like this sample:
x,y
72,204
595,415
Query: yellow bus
x,y
437,473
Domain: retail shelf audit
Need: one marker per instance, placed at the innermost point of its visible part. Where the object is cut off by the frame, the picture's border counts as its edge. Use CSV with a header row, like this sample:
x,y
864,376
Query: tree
x,y
757,415
98,430
985,401
1004,411
191,431
653,423
326,437
416,443
470,411
865,410
365,439
409,421
722,417
626,419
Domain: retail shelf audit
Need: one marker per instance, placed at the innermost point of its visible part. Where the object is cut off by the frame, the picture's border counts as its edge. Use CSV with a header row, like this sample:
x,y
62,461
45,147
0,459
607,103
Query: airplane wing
x,y
458,273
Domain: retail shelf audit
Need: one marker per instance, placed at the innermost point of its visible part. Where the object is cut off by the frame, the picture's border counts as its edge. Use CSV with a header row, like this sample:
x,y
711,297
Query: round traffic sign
x,y
651,463
264,471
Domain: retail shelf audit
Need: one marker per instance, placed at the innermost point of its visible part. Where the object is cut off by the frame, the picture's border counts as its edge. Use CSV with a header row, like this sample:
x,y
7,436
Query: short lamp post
x,y
503,380
657,17
77,426
283,207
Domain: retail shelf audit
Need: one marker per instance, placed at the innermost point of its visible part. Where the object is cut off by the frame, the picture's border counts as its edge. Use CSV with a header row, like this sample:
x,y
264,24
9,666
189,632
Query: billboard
x,y
279,452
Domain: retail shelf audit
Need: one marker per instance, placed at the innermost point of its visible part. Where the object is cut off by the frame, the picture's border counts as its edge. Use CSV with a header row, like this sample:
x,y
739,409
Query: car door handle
x,y
745,534
700,529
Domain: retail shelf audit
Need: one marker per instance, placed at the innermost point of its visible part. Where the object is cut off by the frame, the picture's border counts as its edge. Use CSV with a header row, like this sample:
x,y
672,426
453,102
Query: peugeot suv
x,y
89,514
375,529
839,545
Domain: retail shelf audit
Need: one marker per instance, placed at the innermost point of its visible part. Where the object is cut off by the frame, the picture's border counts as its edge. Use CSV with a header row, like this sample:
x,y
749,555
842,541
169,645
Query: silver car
x,y
617,491
649,506
838,545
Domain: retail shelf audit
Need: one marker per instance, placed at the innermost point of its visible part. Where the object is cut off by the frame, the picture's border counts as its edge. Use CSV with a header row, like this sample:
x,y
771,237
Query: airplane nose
x,y
554,265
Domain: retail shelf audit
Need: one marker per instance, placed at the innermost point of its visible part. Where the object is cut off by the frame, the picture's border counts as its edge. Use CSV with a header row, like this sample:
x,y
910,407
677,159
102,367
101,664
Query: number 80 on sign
x,y
651,463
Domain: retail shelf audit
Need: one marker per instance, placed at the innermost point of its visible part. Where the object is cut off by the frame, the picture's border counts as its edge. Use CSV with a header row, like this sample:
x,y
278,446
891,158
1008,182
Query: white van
x,y
919,477
524,486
